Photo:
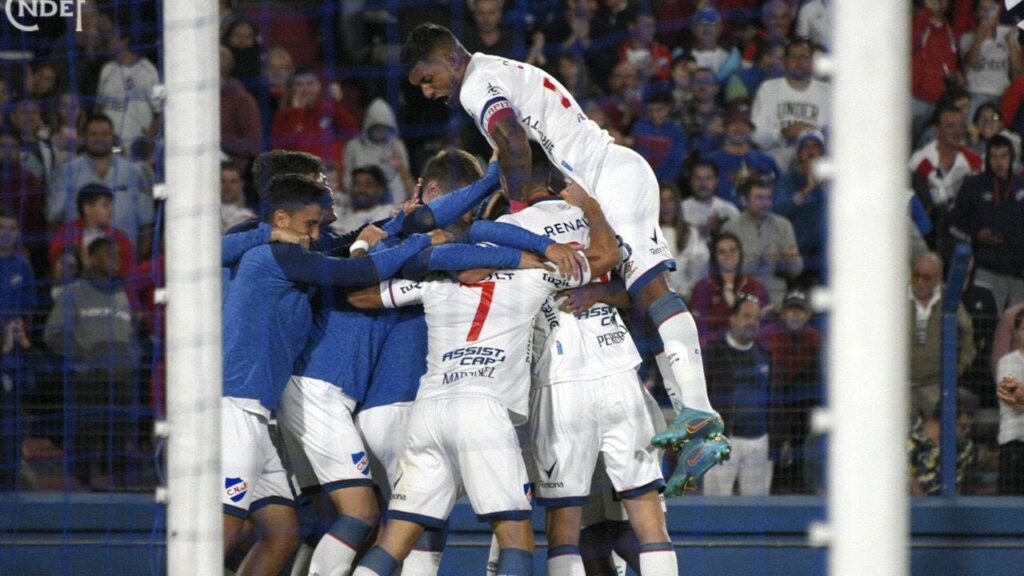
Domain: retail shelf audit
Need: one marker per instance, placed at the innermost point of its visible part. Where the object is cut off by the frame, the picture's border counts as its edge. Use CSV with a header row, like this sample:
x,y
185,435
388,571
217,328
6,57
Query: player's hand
x,y
579,299
371,235
563,256
439,236
288,237
529,260
575,194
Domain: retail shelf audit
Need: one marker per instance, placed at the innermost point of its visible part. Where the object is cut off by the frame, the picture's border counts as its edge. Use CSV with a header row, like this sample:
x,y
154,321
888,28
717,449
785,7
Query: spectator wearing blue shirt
x,y
800,197
738,158
660,139
17,281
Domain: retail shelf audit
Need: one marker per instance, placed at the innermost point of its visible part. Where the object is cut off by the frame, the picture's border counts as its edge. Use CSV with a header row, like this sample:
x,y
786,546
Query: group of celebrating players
x,y
468,345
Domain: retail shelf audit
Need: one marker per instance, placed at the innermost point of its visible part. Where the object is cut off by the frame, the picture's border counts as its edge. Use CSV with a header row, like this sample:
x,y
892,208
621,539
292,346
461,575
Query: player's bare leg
x,y
657,555
563,528
357,515
234,528
277,529
396,540
515,539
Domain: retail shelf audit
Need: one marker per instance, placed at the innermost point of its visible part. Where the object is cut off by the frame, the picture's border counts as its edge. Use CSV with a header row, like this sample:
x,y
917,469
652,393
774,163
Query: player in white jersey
x,y
513,102
586,399
461,430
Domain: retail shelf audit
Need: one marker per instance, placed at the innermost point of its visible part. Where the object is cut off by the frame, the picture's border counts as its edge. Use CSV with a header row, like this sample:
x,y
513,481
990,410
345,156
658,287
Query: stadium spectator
x,y
81,57
785,108
233,210
738,160
380,145
767,65
1010,379
924,449
704,108
241,129
313,123
795,346
242,38
980,304
691,252
41,81
486,33
17,281
925,335
991,55
673,18
624,102
571,70
367,200
23,195
92,327
660,139
706,51
277,76
934,61
740,385
704,210
814,21
1003,341
801,199
939,167
37,152
95,220
66,127
769,243
569,31
125,92
652,59
989,213
609,26
18,363
776,29
987,123
133,199
715,295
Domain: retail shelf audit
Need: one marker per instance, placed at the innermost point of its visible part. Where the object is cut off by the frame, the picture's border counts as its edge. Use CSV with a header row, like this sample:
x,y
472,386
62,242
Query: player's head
x,y
446,171
295,203
437,61
279,162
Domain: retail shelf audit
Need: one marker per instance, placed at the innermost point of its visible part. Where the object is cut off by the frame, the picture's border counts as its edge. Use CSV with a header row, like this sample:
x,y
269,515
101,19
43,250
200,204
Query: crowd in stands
x,y
718,95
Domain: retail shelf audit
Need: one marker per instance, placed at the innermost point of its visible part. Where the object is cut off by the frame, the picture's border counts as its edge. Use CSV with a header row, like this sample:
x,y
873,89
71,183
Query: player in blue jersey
x,y
512,103
267,317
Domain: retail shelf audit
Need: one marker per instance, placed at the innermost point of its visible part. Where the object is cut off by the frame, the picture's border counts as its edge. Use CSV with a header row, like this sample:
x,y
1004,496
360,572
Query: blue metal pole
x,y
950,340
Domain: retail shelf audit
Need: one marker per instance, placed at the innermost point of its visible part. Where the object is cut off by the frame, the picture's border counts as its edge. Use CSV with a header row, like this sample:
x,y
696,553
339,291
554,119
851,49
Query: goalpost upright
x,y
192,129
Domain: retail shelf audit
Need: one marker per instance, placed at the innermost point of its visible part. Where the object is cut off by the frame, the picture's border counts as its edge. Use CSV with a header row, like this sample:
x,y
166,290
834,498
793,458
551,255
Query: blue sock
x,y
378,561
515,562
349,530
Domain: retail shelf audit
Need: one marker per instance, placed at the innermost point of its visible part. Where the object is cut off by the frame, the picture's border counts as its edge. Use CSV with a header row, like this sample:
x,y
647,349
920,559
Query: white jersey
x,y
125,93
478,335
585,346
495,86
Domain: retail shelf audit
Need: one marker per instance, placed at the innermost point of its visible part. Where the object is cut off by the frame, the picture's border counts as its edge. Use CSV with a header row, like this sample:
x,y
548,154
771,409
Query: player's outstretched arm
x,y
603,253
367,298
306,267
238,240
515,237
458,257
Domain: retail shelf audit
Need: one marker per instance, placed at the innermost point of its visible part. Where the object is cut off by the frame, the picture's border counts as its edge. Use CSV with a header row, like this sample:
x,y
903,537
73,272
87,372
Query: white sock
x,y
620,565
492,557
421,563
300,564
332,557
682,359
660,562
364,571
566,565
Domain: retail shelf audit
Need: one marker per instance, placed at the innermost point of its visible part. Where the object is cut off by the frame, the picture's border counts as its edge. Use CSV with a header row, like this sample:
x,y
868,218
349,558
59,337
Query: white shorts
x,y
457,442
604,503
253,474
384,430
574,421
628,192
320,436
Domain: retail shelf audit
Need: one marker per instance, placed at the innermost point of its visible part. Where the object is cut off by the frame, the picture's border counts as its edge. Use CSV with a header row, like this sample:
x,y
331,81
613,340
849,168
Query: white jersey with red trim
x,y
588,345
479,335
495,86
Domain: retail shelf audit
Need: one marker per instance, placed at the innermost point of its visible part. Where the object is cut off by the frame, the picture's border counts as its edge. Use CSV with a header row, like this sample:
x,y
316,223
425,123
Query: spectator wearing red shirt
x,y
652,59
95,214
934,60
714,295
22,193
314,124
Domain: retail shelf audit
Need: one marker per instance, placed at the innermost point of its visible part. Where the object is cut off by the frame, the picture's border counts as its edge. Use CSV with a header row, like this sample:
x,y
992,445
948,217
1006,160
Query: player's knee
x,y
359,503
666,306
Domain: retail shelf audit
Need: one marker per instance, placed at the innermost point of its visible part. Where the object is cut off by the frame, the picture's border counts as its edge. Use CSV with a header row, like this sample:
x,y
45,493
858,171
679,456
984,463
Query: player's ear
x,y
280,218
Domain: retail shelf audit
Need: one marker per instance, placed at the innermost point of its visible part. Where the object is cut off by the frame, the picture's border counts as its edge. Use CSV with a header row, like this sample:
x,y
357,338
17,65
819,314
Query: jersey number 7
x,y
486,295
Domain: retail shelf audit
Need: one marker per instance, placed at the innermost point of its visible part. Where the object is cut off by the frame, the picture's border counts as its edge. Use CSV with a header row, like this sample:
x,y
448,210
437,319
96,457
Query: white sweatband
x,y
359,245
